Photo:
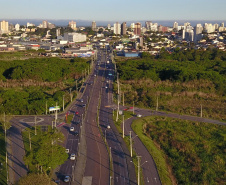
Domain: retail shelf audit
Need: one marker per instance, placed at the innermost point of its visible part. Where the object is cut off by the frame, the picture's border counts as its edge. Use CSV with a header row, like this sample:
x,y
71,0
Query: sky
x,y
114,10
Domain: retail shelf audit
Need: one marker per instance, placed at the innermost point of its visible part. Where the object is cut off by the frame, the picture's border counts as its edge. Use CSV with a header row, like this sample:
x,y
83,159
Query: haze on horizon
x,y
117,10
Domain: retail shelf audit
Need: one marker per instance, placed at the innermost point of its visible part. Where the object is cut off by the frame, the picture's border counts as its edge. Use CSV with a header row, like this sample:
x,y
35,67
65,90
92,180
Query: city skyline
x,y
126,10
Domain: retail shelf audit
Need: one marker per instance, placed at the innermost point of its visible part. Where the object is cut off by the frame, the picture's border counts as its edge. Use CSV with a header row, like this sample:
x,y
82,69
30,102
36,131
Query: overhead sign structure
x,y
56,108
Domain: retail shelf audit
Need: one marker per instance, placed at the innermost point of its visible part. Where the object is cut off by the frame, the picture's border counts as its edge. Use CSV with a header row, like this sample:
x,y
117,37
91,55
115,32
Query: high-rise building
x,y
209,28
44,24
148,25
198,32
117,28
137,28
175,26
123,28
109,26
222,24
94,26
4,26
58,32
72,25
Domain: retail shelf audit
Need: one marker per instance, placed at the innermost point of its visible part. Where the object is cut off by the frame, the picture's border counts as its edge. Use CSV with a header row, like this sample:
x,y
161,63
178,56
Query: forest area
x,y
26,86
183,82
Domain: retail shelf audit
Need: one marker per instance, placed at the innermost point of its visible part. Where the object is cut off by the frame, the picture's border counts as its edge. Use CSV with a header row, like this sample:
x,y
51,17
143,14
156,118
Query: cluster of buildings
x,y
132,38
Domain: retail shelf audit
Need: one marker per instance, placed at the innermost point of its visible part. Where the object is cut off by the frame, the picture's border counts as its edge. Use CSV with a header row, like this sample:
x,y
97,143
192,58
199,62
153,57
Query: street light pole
x,y
131,142
123,127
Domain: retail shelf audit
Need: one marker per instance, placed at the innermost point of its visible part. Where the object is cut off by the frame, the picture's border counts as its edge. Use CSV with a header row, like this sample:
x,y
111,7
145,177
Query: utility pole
x,y
157,104
123,127
105,135
30,139
201,111
76,85
123,98
133,107
130,141
117,110
63,102
70,94
46,107
138,170
56,112
35,125
6,153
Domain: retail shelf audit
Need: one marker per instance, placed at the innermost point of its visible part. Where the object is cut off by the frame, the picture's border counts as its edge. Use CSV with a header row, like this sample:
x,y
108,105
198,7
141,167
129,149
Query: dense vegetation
x,y
181,86
27,85
195,151
43,150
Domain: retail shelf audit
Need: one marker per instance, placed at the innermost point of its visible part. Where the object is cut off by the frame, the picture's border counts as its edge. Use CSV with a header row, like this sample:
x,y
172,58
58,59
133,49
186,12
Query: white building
x,y
72,24
75,37
17,27
175,26
117,28
198,32
30,24
209,28
4,26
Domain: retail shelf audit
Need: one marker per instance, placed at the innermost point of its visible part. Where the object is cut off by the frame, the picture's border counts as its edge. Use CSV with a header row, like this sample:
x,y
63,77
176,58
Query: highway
x,y
123,170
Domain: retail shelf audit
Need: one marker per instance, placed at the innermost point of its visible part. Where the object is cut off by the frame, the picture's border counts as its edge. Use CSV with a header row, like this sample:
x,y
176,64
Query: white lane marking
x,y
155,180
41,119
147,180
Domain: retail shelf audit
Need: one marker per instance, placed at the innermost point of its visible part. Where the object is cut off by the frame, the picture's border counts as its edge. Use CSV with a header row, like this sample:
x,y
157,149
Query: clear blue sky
x,y
114,10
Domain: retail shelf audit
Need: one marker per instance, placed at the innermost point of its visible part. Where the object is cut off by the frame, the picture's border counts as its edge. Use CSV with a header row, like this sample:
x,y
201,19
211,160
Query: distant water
x,y
64,22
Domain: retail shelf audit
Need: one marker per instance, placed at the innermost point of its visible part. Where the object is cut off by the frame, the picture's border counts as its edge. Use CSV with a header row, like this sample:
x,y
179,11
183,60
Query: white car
x,y
66,179
139,115
72,129
67,151
72,157
108,126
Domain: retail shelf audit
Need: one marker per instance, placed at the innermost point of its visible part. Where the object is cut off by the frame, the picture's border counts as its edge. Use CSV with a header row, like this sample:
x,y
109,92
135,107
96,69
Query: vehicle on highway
x,y
83,105
81,100
67,150
76,112
106,87
72,129
139,115
76,133
72,157
66,178
108,126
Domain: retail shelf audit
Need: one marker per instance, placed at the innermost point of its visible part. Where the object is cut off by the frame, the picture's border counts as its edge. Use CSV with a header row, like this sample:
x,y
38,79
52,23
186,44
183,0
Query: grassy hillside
x,y
194,151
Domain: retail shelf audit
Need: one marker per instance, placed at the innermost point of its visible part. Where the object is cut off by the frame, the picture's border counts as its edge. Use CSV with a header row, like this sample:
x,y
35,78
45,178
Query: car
x,y
139,115
106,87
76,133
67,150
84,105
66,178
72,157
108,126
81,100
76,112
72,129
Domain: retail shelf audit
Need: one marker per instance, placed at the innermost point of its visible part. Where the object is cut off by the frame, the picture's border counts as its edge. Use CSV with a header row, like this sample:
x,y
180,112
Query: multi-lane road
x,y
101,154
